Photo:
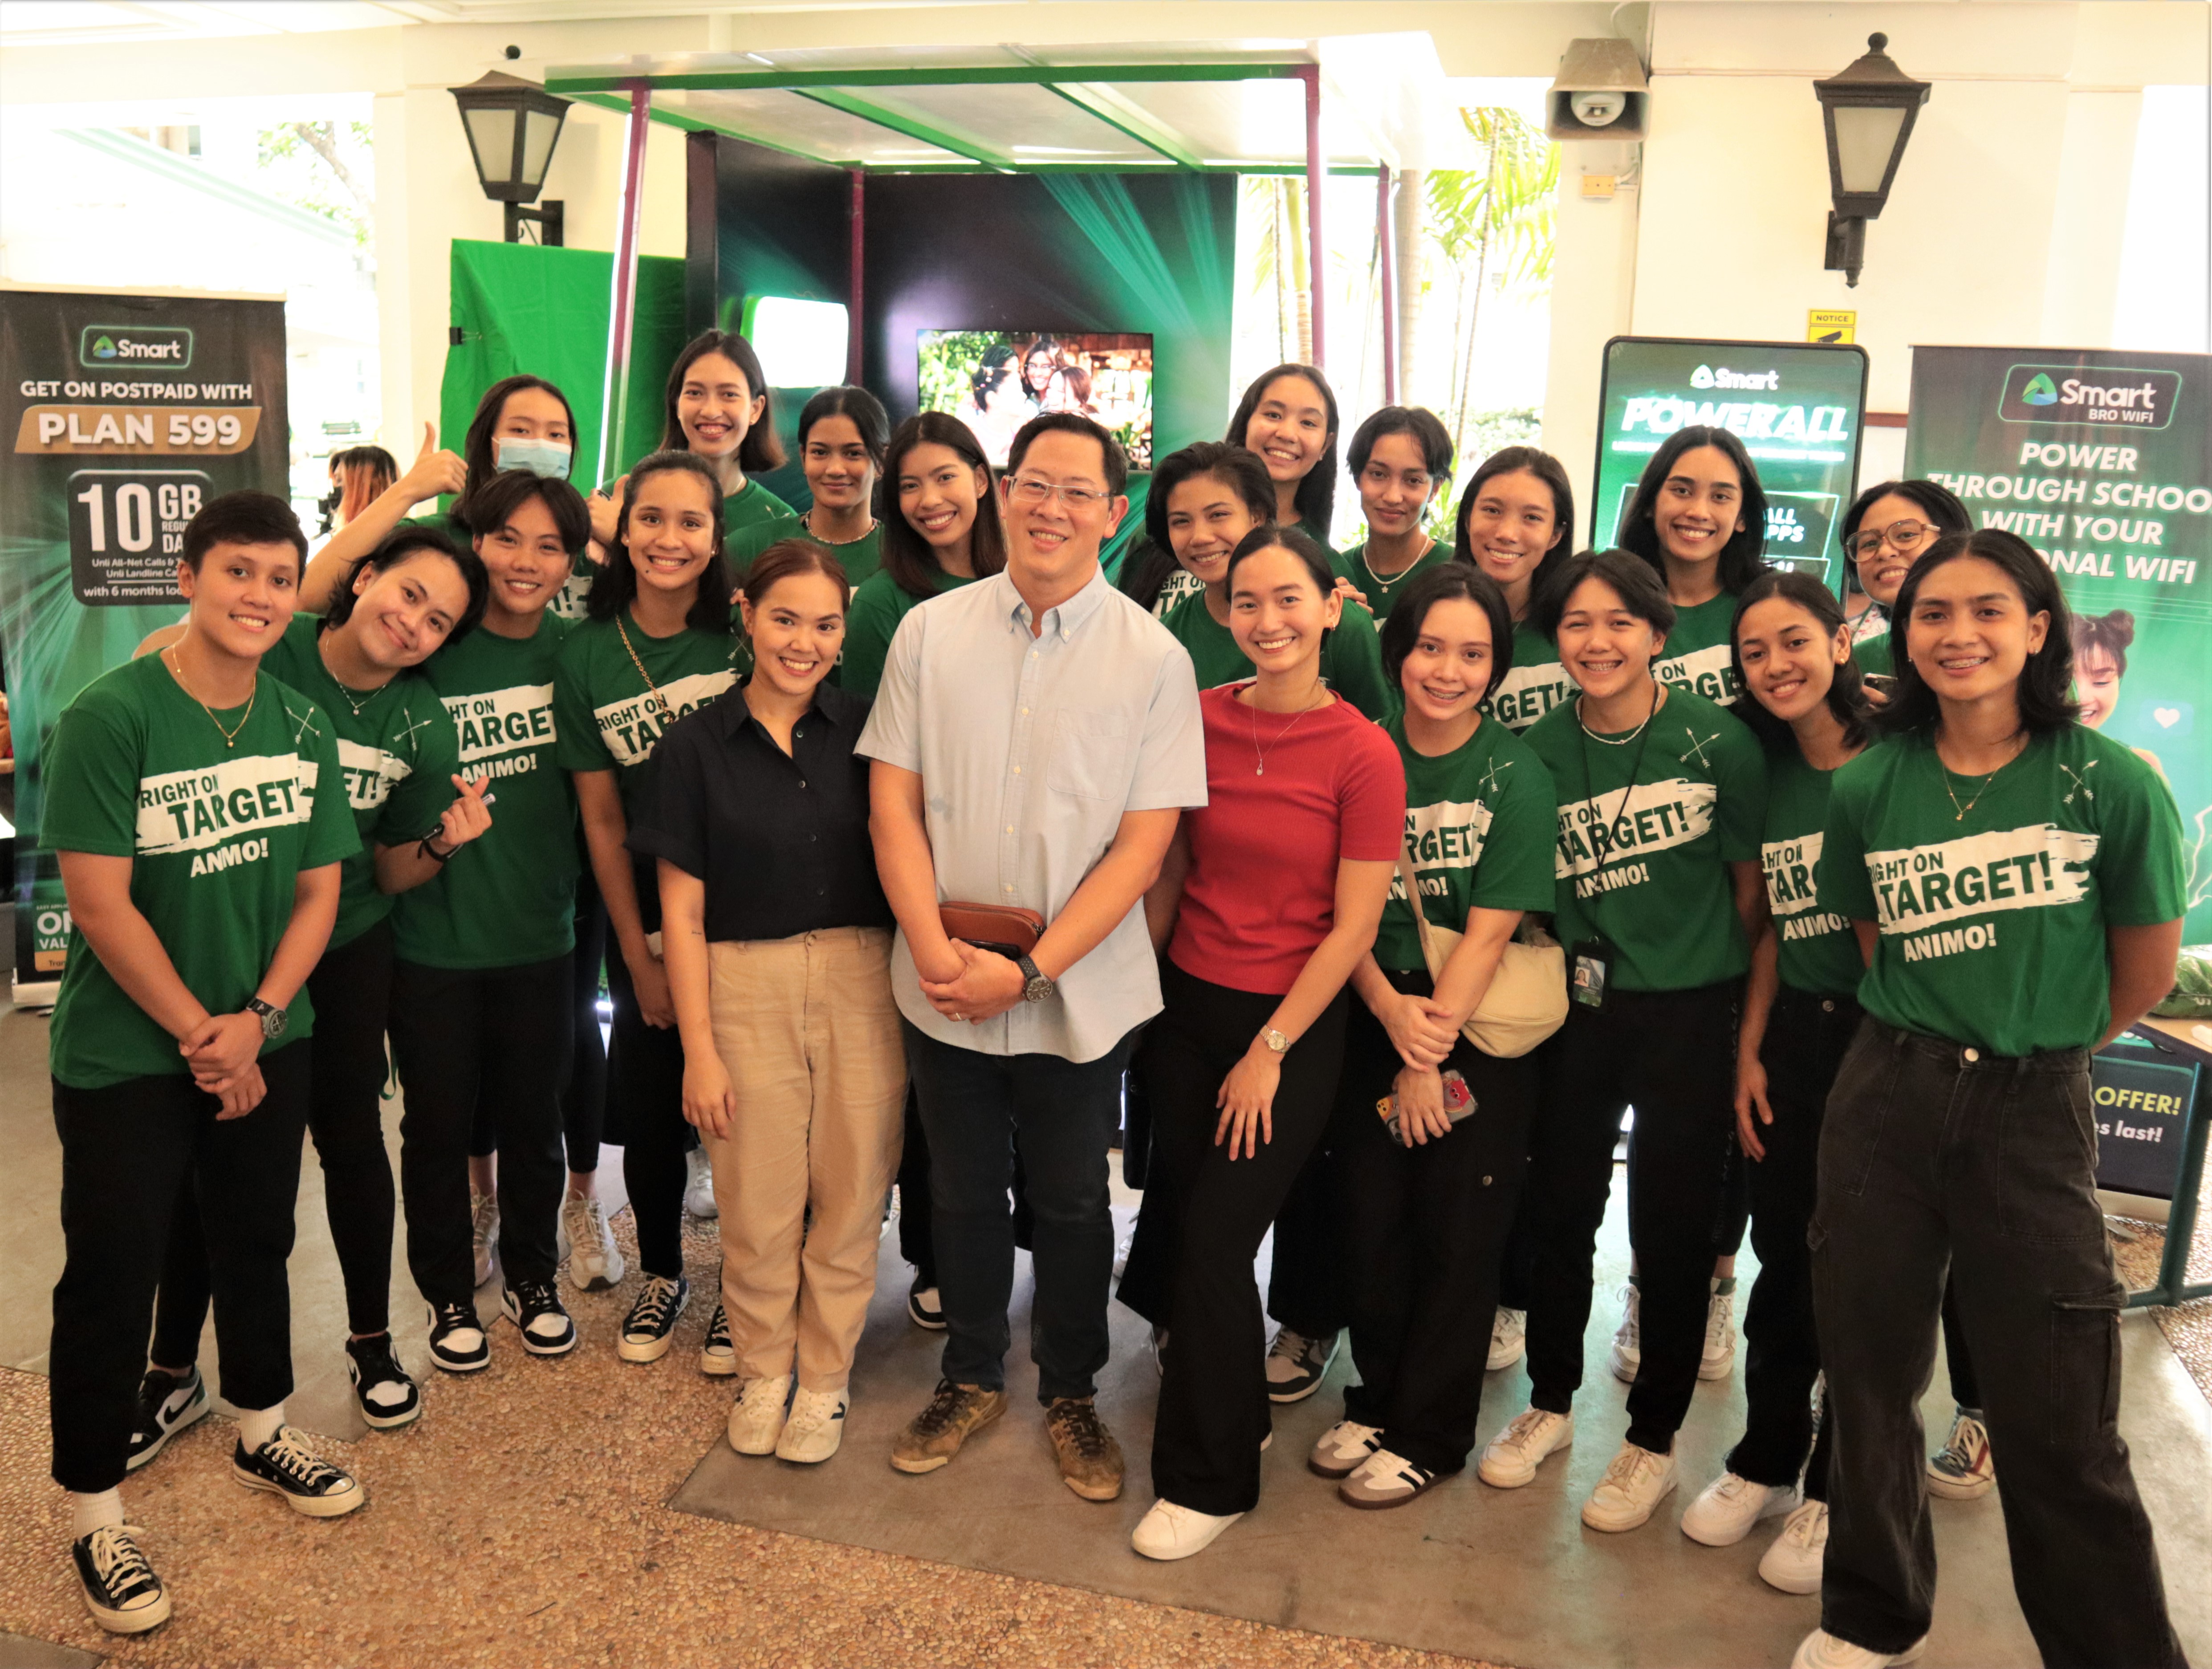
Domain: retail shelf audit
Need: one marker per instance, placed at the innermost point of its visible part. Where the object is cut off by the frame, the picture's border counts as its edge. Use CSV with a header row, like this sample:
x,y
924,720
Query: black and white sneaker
x,y
924,1308
120,1588
458,1344
1296,1365
387,1396
534,1307
167,1404
717,1355
650,1328
283,1467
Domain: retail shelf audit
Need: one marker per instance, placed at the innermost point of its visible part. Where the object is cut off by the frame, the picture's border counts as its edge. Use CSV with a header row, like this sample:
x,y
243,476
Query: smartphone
x,y
1459,1102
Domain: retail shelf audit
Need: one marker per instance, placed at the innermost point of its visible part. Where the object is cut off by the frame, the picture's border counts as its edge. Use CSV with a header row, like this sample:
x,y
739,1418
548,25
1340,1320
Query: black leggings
x,y
351,990
584,1102
645,1070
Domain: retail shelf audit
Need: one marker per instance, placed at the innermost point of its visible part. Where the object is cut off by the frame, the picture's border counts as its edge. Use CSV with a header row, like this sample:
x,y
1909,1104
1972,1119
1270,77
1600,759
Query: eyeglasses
x,y
1379,476
1028,490
1901,537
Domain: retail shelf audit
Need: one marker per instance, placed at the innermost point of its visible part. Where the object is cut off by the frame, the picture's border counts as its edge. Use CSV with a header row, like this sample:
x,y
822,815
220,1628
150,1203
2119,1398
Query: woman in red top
x,y
1268,901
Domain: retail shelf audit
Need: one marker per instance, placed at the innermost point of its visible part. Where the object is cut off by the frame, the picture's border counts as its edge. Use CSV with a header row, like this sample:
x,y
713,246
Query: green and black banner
x,y
124,413
2102,460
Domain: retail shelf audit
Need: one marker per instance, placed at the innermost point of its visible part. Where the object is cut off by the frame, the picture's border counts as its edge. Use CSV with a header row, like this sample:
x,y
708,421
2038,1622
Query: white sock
x,y
259,1426
88,1512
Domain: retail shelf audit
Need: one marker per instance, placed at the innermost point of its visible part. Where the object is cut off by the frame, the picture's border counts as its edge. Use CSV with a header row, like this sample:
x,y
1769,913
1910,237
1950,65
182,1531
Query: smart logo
x,y
1706,377
2073,395
109,347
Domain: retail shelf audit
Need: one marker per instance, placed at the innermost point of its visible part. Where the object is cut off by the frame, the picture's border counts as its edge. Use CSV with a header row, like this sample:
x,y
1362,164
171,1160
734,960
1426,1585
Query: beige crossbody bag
x,y
1527,1001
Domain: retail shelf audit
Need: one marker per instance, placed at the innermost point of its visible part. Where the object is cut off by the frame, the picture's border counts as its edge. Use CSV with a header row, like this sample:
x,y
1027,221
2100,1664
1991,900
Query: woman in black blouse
x,y
776,939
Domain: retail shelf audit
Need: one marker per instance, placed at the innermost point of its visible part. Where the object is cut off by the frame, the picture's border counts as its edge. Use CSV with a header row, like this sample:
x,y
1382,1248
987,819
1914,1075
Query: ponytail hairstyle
x,y
1401,630
1316,498
614,586
2046,690
1741,561
402,545
866,412
908,556
476,447
760,450
1527,460
1847,696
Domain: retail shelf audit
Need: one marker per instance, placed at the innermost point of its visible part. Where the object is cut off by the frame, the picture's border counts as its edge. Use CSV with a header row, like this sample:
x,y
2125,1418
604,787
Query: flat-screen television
x,y
994,381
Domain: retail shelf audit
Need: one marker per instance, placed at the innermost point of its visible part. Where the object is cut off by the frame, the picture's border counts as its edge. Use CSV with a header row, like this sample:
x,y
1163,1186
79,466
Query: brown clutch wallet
x,y
1004,928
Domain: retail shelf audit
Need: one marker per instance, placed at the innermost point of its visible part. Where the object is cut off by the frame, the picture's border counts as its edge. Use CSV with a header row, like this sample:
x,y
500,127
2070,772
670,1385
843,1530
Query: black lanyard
x,y
1589,784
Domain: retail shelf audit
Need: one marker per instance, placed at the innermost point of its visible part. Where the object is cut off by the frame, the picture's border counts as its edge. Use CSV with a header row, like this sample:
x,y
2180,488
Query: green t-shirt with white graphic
x,y
1698,656
1478,825
217,834
873,621
611,717
1991,923
749,506
1644,864
1351,659
1875,655
1534,685
859,558
397,754
1815,948
1379,592
507,898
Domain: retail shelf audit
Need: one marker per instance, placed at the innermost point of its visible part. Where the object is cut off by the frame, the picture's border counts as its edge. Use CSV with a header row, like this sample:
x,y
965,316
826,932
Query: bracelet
x,y
426,849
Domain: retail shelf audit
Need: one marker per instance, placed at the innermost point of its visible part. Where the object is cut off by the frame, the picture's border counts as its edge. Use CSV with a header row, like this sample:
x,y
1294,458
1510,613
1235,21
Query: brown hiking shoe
x,y
955,1414
1089,1459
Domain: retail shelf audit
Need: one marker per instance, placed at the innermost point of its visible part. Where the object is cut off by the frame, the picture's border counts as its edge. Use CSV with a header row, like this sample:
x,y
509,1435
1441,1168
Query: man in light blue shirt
x,y
1036,737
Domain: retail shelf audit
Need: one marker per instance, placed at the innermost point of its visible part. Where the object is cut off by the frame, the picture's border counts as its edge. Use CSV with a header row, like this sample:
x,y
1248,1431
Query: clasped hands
x,y
979,985
224,1051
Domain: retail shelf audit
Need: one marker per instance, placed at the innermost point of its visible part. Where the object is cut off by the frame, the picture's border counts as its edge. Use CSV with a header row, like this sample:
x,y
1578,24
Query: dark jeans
x,y
1672,1054
1424,1233
977,1110
1935,1154
1966,1389
645,1113
1806,1037
497,1039
129,1150
351,988
917,1231
1213,1409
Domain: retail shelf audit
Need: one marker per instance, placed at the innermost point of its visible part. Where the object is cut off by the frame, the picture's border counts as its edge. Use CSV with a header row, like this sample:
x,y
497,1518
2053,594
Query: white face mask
x,y
546,459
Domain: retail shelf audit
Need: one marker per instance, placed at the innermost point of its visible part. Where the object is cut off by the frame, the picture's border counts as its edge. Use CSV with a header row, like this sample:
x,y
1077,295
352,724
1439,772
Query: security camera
x,y
1597,109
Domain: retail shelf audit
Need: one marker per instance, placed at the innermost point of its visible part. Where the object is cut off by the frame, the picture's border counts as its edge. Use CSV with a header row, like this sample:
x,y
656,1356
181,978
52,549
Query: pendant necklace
x,y
1259,754
1980,792
230,736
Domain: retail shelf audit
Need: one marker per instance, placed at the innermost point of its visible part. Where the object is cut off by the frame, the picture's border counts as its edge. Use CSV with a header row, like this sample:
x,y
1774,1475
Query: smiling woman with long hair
x,y
1698,520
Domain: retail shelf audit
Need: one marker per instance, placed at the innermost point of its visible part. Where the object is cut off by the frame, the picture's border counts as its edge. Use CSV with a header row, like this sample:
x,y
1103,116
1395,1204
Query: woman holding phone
x,y
1269,900
1698,521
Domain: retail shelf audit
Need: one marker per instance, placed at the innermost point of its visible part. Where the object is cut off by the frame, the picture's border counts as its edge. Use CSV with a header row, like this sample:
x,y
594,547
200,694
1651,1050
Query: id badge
x,y
1589,967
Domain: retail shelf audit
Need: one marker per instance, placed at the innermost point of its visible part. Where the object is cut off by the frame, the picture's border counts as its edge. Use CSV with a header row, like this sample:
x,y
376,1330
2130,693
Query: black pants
x,y
1213,1412
1936,1155
645,1113
584,1102
1308,1287
1672,1054
979,1111
1806,1037
1424,1233
494,1037
916,1225
352,989
128,1151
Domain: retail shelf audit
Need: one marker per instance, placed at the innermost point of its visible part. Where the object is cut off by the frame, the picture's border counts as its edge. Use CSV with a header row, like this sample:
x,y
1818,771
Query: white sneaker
x,y
1719,1354
699,1186
1962,1469
1343,1448
1726,1508
1169,1531
595,1264
1822,1650
483,1230
815,1429
1627,1352
1509,1338
1512,1457
1636,1481
756,1416
1794,1560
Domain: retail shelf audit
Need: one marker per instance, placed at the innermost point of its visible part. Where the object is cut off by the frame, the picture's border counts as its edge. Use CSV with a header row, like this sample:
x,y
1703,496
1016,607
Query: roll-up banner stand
x,y
127,410
1796,407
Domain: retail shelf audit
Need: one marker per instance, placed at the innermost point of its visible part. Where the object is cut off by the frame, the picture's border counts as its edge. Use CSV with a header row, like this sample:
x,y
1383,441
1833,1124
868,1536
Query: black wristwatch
x,y
273,1020
1037,988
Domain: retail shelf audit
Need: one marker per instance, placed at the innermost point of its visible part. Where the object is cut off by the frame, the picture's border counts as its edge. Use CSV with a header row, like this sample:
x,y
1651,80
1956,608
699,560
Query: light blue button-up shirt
x,y
1030,749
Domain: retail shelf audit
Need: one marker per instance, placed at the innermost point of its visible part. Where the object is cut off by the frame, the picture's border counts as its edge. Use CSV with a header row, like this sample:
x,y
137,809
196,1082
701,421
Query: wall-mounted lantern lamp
x,y
513,125
1868,111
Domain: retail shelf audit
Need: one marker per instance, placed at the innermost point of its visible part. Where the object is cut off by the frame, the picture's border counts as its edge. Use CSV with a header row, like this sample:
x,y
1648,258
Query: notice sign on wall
x,y
2103,462
1795,406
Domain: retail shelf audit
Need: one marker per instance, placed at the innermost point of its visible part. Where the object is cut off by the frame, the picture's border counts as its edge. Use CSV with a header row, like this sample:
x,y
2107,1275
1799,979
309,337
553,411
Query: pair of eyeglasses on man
x,y
1028,490
1899,536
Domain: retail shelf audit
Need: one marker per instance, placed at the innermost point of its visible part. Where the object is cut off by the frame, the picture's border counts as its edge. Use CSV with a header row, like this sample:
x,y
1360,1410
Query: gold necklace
x,y
1980,792
229,737
1259,754
806,523
657,699
346,690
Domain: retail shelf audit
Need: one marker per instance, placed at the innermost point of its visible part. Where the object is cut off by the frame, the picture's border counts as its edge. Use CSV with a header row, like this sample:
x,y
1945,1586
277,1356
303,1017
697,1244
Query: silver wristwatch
x,y
1037,987
1274,1039
273,1020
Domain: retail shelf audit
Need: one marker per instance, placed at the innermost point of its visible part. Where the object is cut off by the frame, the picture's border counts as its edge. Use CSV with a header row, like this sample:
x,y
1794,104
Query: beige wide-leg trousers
x,y
806,1028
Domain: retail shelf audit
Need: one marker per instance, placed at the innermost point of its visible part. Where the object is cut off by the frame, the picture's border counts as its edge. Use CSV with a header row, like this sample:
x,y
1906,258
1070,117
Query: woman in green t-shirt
x,y
2017,881
1426,1211
191,799
1698,520
1203,499
1515,517
1400,458
841,447
657,645
1661,796
1887,528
